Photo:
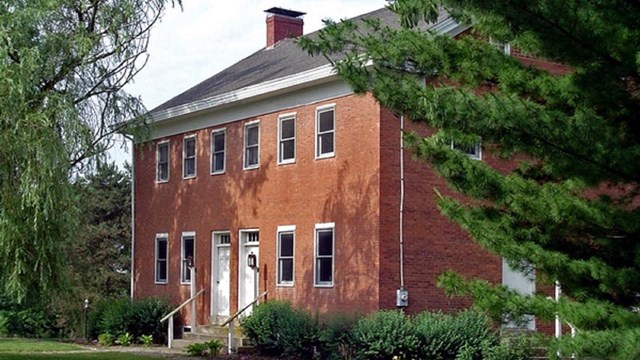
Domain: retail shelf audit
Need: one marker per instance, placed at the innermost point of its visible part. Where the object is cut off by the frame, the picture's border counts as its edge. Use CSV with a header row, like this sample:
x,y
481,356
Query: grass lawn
x,y
76,356
26,349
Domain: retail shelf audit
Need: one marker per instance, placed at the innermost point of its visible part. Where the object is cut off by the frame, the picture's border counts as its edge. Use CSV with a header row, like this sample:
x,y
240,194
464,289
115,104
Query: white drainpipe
x,y
133,219
401,228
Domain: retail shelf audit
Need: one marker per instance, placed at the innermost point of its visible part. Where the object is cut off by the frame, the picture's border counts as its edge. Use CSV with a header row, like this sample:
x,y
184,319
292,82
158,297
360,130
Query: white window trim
x,y
283,229
320,109
158,161
182,258
478,147
224,167
324,226
195,156
289,116
155,261
244,145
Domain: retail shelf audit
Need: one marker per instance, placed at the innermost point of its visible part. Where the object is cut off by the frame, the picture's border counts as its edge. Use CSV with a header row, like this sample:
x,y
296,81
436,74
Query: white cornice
x,y
267,87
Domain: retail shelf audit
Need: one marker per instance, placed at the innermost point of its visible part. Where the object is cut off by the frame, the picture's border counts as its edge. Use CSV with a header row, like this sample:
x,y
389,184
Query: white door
x,y
221,284
248,275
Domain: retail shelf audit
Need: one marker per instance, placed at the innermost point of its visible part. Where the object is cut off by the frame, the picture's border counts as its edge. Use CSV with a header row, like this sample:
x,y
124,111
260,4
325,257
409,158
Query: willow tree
x,y
63,65
570,209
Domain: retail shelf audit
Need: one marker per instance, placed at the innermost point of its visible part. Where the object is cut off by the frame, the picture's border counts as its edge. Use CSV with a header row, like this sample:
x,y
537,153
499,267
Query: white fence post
x,y
170,333
230,339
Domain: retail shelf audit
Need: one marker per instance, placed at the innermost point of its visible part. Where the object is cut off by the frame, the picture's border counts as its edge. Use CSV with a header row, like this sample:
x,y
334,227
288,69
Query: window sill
x,y
287,162
323,285
252,167
218,173
285,285
161,283
326,156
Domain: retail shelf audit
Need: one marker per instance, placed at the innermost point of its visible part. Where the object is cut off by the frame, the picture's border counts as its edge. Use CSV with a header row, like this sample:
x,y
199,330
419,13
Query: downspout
x,y
401,227
133,217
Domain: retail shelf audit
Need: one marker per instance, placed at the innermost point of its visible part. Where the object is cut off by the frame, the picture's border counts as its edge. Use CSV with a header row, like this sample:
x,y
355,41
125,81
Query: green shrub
x,y
146,340
125,339
276,328
197,349
214,347
106,339
453,336
385,335
514,348
27,320
140,317
335,337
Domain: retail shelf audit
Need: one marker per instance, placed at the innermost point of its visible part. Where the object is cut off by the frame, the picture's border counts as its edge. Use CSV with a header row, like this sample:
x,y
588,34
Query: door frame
x,y
215,272
242,262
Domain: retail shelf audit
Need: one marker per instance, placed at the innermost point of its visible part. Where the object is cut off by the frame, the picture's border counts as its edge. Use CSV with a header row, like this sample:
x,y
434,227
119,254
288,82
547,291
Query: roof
x,y
284,59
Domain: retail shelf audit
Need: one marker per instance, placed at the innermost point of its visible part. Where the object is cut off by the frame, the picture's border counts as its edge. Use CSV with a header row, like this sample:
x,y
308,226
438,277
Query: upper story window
x,y
325,131
251,145
189,157
474,152
218,150
287,139
162,161
324,254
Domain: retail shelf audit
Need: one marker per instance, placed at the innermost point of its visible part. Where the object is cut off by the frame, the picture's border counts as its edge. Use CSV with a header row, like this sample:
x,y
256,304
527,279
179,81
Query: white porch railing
x,y
230,322
169,317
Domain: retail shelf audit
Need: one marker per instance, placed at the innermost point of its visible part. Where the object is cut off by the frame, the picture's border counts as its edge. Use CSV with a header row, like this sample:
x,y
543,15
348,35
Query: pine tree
x,y
570,209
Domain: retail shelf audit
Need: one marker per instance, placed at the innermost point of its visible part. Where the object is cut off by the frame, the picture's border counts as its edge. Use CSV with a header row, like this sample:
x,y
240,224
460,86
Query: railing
x,y
230,322
169,317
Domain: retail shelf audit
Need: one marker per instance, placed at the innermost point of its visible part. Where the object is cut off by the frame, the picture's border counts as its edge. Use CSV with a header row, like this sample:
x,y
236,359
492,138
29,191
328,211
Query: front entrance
x,y
248,268
221,276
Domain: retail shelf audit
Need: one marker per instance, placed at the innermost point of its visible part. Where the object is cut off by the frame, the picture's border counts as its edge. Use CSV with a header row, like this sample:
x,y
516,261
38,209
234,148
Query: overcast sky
x,y
207,36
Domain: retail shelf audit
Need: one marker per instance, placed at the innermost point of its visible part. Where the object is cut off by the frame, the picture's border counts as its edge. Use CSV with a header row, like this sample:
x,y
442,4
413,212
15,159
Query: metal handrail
x,y
230,342
187,302
169,316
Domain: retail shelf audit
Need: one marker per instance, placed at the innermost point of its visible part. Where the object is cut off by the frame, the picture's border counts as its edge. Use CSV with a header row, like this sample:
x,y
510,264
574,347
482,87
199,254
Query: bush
x,y
214,347
451,336
276,328
385,335
27,320
515,348
140,317
125,339
197,349
335,337
146,340
106,339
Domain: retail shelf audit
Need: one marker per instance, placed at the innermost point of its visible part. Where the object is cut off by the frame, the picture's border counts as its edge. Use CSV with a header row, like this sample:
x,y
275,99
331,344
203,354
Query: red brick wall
x,y
343,189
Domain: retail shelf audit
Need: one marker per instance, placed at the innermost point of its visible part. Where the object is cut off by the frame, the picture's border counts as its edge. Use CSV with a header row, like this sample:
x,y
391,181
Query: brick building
x,y
275,159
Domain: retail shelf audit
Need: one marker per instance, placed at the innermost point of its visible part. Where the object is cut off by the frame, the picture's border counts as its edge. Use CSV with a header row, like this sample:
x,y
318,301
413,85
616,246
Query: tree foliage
x,y
570,207
63,64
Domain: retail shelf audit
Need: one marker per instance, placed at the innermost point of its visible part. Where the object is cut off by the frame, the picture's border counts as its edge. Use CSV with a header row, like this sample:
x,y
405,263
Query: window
x,y
161,258
474,152
287,139
162,161
325,131
504,47
189,157
324,254
218,147
188,255
286,235
251,145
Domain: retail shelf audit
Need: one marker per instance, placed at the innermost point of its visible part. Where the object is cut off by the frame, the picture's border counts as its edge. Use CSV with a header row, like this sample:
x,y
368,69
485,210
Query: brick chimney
x,y
282,24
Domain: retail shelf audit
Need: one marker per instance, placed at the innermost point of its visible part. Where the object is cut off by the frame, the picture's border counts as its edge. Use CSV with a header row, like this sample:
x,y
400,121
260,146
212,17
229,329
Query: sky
x,y
188,46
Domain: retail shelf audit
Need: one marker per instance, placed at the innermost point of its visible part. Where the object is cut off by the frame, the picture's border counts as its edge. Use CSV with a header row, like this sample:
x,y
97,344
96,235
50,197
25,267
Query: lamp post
x,y
86,309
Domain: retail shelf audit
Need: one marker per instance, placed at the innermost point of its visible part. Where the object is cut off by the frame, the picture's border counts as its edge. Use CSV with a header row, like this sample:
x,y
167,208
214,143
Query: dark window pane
x,y
288,129
252,135
188,247
162,249
163,153
189,166
287,149
324,270
218,162
286,270
286,244
326,143
163,171
161,271
252,156
326,121
218,142
325,243
190,147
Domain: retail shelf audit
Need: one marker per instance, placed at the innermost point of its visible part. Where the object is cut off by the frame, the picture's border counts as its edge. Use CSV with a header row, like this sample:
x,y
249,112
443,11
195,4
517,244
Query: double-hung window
x,y
472,151
325,131
218,147
162,161
251,145
188,256
324,254
189,157
287,139
286,239
161,258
